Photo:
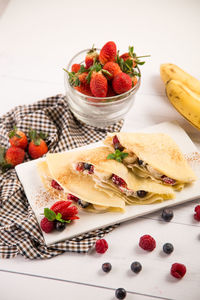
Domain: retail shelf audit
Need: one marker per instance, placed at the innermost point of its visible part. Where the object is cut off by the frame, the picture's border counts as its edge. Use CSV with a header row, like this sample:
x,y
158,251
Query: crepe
x,y
153,155
112,176
58,167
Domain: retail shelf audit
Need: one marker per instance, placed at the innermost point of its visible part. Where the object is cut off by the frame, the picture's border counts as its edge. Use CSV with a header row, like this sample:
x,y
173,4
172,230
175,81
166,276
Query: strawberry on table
x,y
18,138
14,156
91,57
108,52
98,84
37,146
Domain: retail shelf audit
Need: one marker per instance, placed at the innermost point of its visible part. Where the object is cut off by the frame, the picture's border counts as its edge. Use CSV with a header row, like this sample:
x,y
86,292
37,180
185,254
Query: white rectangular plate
x,y
28,175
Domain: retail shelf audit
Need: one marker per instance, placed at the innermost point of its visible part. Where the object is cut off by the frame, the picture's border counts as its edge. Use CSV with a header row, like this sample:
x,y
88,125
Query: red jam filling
x,y
81,166
56,185
168,180
117,144
72,197
118,181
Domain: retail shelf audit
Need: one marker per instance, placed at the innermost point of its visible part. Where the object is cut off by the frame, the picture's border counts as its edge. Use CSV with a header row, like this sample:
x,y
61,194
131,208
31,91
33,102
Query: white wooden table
x,y
37,38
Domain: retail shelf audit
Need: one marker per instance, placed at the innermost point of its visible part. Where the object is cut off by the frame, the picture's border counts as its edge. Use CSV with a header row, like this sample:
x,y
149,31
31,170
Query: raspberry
x,y
56,185
197,213
178,270
46,225
147,242
101,246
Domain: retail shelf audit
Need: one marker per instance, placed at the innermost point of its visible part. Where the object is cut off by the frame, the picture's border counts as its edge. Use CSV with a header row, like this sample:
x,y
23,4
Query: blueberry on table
x,y
106,267
120,293
167,214
168,248
136,267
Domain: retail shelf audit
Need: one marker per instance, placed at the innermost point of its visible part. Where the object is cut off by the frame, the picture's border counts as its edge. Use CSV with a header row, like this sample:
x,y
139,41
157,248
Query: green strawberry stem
x,y
142,56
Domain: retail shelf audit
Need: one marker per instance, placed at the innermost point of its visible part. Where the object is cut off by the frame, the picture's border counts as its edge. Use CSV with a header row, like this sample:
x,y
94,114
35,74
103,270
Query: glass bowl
x,y
98,112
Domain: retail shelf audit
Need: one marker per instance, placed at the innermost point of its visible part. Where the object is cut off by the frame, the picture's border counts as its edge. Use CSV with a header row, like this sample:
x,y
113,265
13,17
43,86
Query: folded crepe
x,y
153,155
111,176
58,168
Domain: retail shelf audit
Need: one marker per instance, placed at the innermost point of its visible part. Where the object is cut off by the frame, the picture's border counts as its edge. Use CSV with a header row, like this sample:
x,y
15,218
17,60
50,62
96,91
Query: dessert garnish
x,y
58,216
117,155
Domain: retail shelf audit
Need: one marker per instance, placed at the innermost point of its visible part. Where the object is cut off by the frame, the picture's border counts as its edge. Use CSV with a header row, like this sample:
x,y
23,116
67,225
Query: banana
x,y
171,71
186,102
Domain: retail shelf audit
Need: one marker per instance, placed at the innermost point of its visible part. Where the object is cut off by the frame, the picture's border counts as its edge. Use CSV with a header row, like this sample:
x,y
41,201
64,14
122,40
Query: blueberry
x,y
168,248
140,162
167,214
136,267
60,226
120,293
141,193
106,267
87,166
83,203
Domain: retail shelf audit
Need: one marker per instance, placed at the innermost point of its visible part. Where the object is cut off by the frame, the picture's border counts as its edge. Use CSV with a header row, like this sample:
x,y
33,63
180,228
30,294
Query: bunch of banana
x,y
183,91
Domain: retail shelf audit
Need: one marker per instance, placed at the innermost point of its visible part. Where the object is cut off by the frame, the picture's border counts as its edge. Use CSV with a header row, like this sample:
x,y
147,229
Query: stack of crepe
x,y
153,168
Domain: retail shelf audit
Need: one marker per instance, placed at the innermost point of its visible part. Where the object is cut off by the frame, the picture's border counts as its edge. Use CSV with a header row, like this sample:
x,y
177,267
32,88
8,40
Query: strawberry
x,y
14,156
131,55
68,213
113,68
18,138
110,92
91,57
84,89
127,56
108,53
37,147
98,84
134,80
76,68
82,78
121,83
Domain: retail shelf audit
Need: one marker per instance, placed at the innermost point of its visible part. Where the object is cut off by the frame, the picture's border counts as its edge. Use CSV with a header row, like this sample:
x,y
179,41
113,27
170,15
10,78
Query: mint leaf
x,y
117,155
111,156
49,214
59,218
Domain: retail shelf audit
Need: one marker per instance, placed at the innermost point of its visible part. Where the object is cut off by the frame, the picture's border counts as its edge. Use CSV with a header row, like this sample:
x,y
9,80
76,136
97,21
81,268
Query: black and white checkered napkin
x,y
19,230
